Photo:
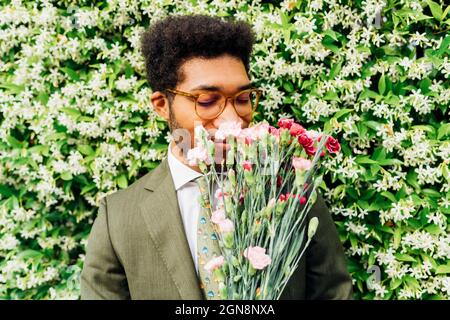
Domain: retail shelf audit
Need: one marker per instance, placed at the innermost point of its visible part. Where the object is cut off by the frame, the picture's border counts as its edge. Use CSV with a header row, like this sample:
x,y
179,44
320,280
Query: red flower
x,y
311,150
241,198
247,165
332,145
307,143
279,181
285,123
282,198
296,129
305,140
302,200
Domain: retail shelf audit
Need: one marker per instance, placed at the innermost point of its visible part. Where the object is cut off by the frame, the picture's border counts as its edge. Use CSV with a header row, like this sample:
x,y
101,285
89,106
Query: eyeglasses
x,y
210,105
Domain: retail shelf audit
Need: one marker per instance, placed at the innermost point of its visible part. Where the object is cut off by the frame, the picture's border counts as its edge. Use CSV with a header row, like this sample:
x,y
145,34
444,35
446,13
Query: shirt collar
x,y
181,173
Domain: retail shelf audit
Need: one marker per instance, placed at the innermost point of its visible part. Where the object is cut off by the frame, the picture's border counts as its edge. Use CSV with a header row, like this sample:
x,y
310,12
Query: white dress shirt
x,y
187,194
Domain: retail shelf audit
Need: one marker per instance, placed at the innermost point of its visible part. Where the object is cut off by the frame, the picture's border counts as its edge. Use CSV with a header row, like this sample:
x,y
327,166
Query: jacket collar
x,y
163,219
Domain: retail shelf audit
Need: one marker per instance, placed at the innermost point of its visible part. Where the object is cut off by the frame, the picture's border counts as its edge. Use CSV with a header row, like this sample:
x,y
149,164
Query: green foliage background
x,y
76,124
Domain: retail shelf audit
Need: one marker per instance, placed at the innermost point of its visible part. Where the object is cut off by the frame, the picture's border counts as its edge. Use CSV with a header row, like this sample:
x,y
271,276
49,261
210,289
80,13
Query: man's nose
x,y
229,113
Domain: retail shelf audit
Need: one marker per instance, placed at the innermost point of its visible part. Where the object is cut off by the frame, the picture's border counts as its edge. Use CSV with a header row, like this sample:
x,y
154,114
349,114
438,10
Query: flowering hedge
x,y
76,124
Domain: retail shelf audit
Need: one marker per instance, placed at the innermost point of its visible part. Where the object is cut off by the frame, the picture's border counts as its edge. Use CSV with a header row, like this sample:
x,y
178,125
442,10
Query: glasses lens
x,y
209,105
246,102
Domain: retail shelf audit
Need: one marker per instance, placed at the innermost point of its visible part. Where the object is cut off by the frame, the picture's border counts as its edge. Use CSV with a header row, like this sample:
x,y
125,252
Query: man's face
x,y
228,74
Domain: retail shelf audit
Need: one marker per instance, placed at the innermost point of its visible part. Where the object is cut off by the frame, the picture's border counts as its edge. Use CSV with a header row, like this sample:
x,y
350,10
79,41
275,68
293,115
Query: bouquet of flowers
x,y
263,189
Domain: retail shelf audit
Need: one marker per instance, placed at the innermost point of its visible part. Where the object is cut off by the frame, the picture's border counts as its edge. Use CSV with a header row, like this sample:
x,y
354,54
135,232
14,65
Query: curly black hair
x,y
170,42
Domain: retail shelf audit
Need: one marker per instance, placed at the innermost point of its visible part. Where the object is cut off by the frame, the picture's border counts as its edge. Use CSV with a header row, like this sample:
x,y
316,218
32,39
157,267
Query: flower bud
x,y
249,177
232,178
312,227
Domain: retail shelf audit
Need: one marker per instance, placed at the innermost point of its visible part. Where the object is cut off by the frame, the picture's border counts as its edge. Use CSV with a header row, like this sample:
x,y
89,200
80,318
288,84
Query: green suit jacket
x,y
137,249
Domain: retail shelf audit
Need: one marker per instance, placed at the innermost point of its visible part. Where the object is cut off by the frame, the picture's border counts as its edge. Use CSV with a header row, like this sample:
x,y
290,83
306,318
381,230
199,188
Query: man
x,y
142,244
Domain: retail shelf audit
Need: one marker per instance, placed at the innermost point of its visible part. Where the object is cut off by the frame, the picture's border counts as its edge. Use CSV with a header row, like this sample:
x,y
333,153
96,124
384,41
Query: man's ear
x,y
160,104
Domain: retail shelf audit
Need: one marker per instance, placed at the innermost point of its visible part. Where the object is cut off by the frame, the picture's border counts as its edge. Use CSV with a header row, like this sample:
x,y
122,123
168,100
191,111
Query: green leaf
x,y
373,124
335,69
388,195
379,154
445,172
71,73
14,142
159,146
431,193
85,149
332,47
39,149
13,88
382,84
443,130
389,162
88,188
411,178
331,34
412,282
397,237
445,13
353,241
425,127
136,119
368,94
342,112
434,229
66,176
288,86
364,160
122,181
331,96
71,112
436,10
29,254
395,283
43,97
404,257
442,269
6,191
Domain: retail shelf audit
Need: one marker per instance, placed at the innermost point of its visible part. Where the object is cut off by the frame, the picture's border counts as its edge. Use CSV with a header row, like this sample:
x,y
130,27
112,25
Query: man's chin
x,y
221,150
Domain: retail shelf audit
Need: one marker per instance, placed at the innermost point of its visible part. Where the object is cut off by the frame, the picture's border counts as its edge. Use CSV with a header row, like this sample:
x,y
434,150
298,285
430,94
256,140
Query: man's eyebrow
x,y
218,88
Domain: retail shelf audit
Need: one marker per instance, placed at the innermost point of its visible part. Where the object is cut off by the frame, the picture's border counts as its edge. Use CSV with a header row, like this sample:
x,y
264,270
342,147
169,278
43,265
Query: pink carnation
x,y
257,257
226,225
296,130
255,132
301,163
271,203
219,194
214,263
218,216
228,128
197,155
275,132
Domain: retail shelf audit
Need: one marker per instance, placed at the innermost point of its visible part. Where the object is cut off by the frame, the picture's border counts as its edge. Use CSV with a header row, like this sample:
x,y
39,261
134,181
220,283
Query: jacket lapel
x,y
162,216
